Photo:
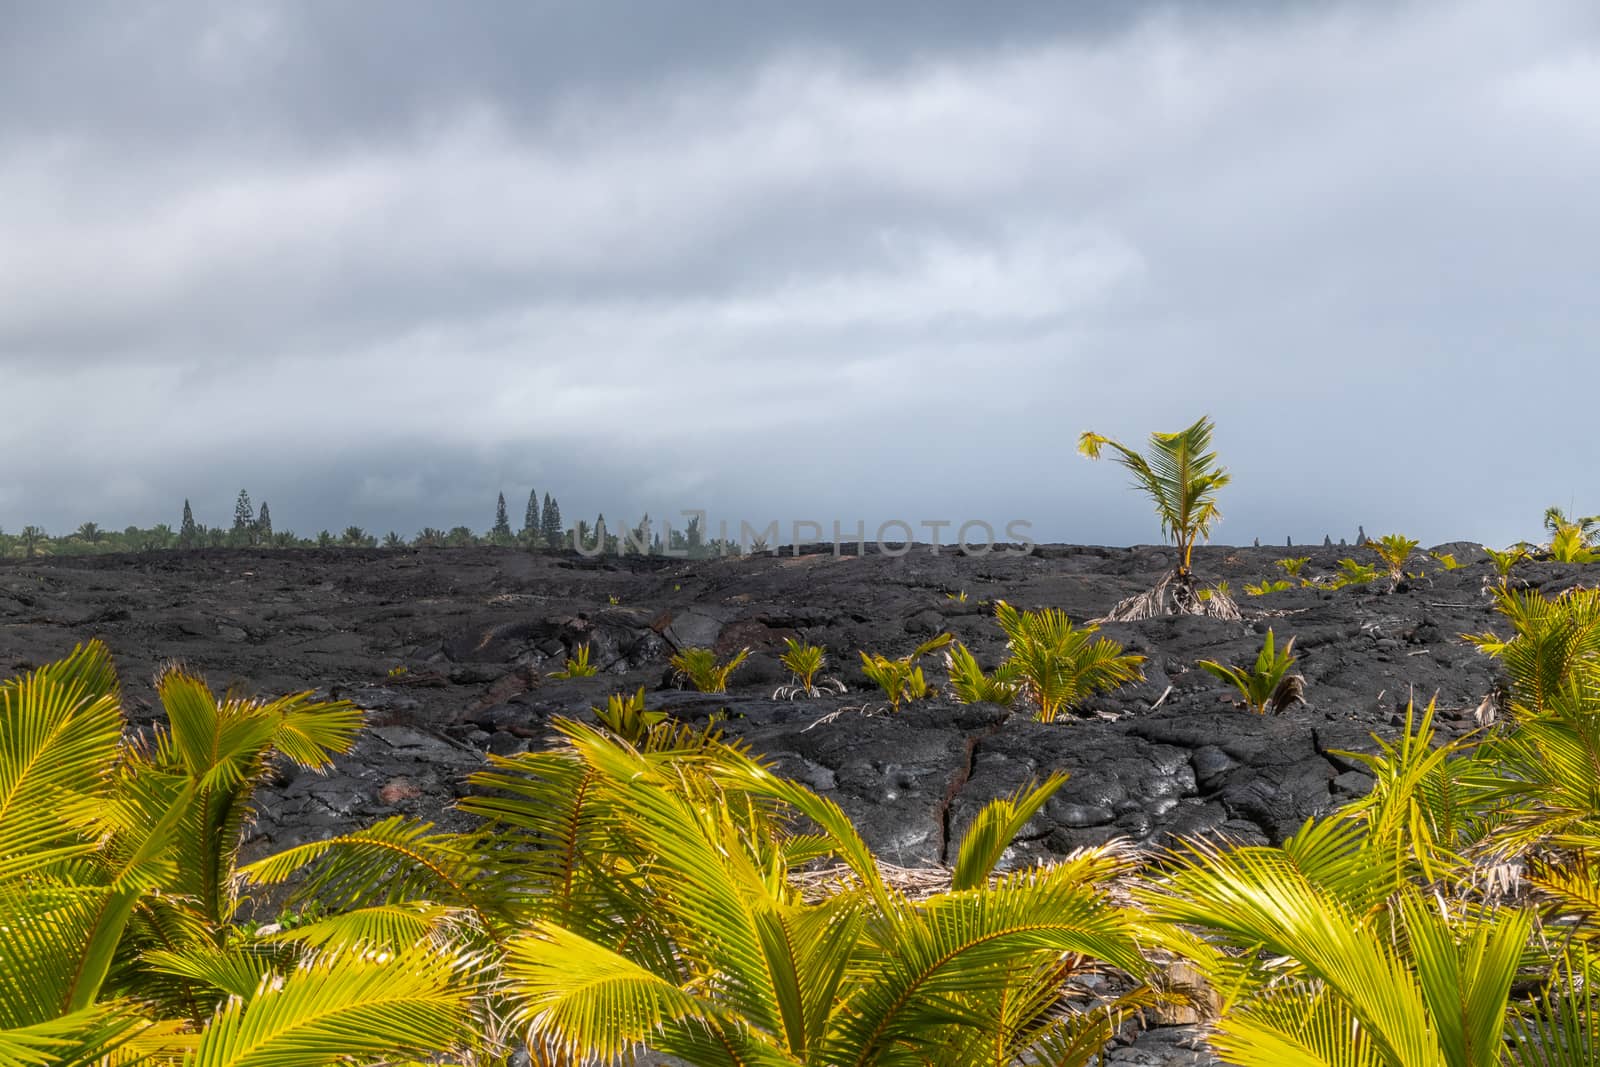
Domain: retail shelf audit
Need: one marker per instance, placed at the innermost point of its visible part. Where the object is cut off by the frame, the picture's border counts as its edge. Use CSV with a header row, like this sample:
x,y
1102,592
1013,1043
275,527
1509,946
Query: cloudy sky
x,y
377,262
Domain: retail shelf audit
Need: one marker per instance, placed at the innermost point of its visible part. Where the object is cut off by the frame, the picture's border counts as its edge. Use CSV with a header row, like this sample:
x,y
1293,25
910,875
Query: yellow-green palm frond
x,y
943,963
1268,686
1561,1026
587,999
369,1006
1394,550
1555,640
994,828
384,926
1572,891
60,727
1429,801
699,667
92,1037
970,685
393,861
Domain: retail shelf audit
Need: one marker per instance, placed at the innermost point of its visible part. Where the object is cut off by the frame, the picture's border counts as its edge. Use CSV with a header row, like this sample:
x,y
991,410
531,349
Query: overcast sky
x,y
377,261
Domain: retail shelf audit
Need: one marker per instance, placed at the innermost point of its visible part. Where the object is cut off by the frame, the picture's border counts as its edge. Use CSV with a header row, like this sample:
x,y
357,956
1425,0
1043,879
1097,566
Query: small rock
x,y
397,789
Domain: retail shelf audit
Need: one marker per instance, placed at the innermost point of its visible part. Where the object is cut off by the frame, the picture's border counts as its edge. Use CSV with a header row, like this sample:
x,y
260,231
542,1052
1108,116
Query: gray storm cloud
x,y
798,261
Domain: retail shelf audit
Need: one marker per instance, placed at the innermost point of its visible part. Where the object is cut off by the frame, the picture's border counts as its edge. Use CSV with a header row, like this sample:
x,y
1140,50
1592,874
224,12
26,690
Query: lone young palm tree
x,y
1181,475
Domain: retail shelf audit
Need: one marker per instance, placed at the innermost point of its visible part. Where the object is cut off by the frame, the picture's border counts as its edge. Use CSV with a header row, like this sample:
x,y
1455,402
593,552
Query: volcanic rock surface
x,y
451,653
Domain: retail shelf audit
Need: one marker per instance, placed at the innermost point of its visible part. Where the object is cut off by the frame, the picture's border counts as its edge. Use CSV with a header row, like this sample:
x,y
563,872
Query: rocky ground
x,y
450,651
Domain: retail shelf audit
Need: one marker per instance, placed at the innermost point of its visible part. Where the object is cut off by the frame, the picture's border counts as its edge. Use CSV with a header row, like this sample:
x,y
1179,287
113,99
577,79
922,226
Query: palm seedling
x,y
804,663
578,665
627,718
1447,560
1572,540
1353,573
1058,665
970,685
1268,686
1292,566
1394,550
699,667
1181,475
1263,588
902,679
1503,561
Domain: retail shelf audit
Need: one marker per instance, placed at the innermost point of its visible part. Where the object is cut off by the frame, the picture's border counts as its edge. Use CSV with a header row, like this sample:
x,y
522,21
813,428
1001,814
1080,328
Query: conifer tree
x,y
550,523
188,532
264,524
501,532
530,518
244,513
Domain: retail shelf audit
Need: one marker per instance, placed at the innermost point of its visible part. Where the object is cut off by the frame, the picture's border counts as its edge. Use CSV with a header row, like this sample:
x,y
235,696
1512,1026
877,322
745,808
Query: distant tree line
x,y
542,529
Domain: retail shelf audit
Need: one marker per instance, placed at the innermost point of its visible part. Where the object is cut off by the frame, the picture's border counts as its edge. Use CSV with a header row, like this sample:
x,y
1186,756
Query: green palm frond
x,y
939,964
994,828
586,1000
60,727
970,685
393,861
1394,550
347,1005
1554,641
88,1038
1428,802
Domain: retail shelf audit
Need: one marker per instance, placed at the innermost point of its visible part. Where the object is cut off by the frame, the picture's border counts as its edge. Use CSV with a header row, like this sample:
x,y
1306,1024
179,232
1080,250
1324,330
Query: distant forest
x,y
541,529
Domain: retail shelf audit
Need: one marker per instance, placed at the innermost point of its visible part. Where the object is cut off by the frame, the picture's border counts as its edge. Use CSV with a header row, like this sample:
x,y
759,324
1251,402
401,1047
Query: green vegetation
x,y
1353,573
1292,566
1394,550
252,527
643,883
901,679
1058,665
1182,477
1268,686
1503,561
805,663
970,685
627,718
577,665
699,667
1271,586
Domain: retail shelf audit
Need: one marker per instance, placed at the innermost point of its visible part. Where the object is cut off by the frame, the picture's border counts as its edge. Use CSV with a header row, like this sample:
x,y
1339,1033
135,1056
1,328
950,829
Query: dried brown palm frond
x,y
1175,594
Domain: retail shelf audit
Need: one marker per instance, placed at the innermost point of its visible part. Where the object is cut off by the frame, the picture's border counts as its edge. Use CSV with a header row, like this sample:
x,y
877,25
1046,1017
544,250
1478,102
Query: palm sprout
x,y
1268,686
970,685
577,665
1394,550
901,679
627,718
805,663
1182,476
699,667
1058,665
1572,540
